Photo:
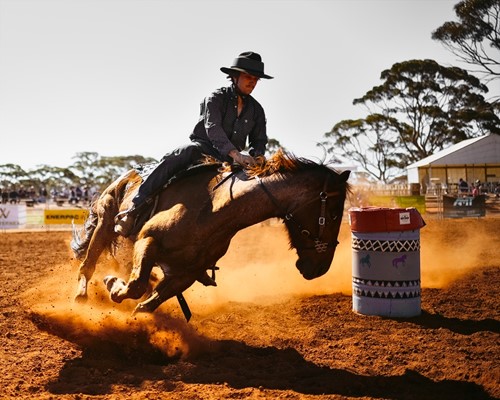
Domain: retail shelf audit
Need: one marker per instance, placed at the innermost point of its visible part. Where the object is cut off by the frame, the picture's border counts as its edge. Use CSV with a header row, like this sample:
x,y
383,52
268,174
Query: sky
x,y
126,77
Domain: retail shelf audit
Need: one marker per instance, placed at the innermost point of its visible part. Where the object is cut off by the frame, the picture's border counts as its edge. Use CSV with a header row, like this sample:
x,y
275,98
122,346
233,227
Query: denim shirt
x,y
221,127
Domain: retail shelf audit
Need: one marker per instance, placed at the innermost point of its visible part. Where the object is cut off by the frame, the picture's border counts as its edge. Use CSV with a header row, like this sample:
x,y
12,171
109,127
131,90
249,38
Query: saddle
x,y
150,207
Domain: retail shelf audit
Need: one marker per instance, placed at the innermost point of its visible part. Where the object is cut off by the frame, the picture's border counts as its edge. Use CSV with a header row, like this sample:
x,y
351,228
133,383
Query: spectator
x,y
463,186
13,196
476,190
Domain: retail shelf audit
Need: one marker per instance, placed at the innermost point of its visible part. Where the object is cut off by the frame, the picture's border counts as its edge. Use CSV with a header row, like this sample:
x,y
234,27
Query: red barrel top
x,y
379,219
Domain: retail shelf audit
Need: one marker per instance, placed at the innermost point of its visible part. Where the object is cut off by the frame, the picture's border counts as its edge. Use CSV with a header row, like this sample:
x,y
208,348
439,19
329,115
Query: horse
x,y
197,215
399,260
365,261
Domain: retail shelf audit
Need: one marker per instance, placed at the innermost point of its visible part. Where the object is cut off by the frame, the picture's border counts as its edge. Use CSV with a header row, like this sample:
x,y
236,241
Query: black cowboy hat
x,y
248,62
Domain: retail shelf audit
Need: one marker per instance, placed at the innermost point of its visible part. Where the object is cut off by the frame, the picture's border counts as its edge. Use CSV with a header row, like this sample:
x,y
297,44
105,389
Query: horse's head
x,y
310,199
313,227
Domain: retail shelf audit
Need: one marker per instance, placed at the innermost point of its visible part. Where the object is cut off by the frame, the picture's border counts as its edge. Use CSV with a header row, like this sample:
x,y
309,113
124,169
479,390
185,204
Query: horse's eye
x,y
305,233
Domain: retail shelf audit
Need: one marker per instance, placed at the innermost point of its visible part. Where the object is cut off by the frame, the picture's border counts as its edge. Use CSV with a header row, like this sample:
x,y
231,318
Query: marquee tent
x,y
472,159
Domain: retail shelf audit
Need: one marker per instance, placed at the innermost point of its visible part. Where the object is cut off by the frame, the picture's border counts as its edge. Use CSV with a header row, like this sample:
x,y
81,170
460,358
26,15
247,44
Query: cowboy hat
x,y
248,62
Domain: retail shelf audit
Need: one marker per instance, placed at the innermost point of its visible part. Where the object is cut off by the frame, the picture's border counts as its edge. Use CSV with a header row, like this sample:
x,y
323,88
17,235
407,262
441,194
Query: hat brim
x,y
258,74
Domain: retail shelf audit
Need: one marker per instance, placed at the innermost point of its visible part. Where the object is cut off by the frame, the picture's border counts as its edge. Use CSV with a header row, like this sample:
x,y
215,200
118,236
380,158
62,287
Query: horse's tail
x,y
81,237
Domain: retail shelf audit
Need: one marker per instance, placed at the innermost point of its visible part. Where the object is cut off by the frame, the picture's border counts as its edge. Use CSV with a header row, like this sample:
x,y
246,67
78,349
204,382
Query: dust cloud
x,y
452,248
101,324
259,268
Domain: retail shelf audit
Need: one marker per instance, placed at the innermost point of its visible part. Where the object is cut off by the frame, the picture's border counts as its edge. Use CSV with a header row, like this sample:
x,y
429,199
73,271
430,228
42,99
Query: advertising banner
x,y
12,216
69,216
466,206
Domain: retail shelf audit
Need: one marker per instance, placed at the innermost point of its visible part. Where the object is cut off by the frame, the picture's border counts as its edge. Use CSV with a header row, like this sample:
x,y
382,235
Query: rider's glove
x,y
241,159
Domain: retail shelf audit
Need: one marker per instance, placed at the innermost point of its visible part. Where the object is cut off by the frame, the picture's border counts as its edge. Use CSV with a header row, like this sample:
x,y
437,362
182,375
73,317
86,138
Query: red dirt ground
x,y
263,333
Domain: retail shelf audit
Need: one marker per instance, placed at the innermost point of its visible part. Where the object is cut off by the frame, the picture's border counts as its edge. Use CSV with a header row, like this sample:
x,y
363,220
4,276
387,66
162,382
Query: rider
x,y
228,117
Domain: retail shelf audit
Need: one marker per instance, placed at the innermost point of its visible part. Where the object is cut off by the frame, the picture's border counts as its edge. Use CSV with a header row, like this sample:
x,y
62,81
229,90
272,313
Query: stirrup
x,y
125,225
121,214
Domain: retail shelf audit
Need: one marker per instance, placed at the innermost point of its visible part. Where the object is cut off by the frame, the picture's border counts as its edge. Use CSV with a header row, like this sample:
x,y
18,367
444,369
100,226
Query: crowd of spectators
x,y
73,194
477,188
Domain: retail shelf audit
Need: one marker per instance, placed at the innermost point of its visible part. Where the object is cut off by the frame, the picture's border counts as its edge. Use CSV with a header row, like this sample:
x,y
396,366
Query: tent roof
x,y
481,150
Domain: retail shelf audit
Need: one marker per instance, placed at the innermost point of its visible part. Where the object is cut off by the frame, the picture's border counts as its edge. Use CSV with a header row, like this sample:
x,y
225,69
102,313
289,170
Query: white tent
x,y
478,157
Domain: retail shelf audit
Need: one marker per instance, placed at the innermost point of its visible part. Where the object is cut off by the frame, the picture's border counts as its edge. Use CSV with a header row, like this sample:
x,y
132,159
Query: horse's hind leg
x,y
101,240
170,286
145,251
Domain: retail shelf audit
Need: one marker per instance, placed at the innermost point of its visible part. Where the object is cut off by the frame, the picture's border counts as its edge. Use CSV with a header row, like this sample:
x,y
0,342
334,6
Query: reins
x,y
319,245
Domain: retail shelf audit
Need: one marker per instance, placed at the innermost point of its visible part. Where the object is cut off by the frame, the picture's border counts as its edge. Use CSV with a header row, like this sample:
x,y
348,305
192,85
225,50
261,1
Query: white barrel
x,y
386,261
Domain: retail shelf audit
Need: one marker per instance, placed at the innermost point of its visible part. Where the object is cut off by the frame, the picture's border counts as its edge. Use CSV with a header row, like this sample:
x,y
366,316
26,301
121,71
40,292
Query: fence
x,y
431,203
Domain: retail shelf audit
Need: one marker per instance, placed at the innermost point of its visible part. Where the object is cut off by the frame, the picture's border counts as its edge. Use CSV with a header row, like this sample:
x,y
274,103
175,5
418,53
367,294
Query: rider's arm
x,y
215,108
257,138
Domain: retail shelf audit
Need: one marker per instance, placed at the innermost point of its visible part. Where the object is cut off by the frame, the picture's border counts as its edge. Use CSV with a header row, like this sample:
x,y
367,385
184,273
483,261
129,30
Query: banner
x,y
466,206
12,216
69,216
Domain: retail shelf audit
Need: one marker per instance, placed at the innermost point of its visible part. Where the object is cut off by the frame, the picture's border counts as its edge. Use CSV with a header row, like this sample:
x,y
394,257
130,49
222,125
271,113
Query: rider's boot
x,y
125,221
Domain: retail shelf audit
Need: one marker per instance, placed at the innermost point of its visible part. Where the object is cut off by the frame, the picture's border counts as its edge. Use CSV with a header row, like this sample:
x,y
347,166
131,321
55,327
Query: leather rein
x,y
319,245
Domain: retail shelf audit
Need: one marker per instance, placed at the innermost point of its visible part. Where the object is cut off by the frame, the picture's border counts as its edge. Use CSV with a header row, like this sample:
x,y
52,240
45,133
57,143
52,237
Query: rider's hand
x,y
241,159
260,160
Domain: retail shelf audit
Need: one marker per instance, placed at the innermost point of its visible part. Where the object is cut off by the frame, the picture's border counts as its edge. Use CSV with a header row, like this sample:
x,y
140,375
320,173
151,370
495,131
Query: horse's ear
x,y
344,176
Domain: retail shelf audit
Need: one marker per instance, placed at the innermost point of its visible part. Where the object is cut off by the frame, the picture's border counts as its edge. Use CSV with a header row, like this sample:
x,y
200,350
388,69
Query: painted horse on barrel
x,y
197,215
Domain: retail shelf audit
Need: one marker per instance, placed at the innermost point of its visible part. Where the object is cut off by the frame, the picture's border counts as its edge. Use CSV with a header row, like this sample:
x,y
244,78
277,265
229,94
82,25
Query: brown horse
x,y
197,216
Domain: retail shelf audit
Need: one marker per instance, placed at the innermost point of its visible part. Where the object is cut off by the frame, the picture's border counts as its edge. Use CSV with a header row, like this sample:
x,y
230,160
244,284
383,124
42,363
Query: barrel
x,y
386,261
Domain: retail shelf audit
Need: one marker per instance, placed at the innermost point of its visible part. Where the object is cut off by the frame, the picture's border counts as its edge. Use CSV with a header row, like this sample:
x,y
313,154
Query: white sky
x,y
126,77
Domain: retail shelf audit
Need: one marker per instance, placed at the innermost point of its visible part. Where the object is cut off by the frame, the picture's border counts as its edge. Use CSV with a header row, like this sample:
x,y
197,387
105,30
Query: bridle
x,y
319,245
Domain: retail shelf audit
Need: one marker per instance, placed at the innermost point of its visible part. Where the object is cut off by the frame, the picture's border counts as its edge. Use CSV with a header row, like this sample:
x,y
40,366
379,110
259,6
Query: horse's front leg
x,y
169,286
101,239
144,259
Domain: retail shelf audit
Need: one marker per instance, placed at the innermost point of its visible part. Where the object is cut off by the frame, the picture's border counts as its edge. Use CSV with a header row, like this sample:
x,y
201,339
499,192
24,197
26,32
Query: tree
x,y
51,177
475,39
272,146
423,107
94,170
370,142
89,169
11,174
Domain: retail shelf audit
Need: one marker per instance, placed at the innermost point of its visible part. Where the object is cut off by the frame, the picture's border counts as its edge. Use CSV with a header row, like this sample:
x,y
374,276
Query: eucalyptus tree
x,y
11,174
475,37
51,177
420,108
272,146
369,142
98,171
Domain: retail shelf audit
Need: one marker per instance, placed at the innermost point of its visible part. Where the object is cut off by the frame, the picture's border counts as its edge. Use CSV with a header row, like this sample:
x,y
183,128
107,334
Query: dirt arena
x,y
263,333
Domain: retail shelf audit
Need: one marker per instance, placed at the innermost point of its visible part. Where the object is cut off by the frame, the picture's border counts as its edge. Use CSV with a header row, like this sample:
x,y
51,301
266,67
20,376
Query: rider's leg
x,y
171,164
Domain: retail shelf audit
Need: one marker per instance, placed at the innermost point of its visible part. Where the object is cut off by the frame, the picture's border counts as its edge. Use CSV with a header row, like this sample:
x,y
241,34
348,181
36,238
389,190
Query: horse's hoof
x,y
148,305
81,292
206,280
81,298
109,282
141,308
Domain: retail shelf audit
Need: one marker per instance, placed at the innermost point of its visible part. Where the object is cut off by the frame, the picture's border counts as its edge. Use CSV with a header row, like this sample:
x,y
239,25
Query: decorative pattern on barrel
x,y
386,261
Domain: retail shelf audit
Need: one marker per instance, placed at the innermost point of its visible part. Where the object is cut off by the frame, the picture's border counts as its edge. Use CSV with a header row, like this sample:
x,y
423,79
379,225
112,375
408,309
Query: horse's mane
x,y
280,162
